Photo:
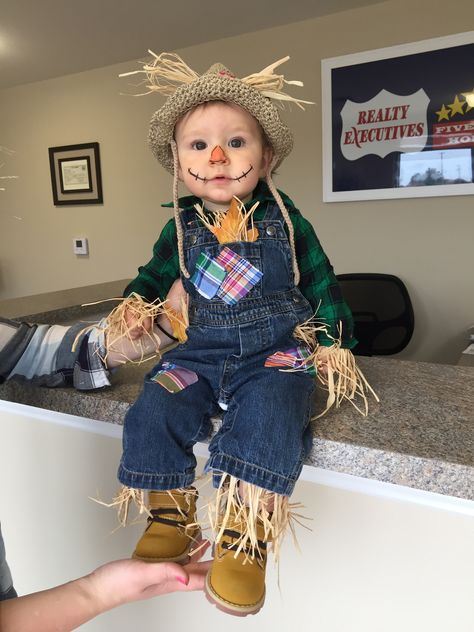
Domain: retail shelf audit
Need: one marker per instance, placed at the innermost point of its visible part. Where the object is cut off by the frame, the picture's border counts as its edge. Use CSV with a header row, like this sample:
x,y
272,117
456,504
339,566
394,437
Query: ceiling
x,y
42,39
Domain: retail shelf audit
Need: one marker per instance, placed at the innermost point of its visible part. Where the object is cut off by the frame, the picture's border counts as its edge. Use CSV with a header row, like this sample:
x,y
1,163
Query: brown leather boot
x,y
236,583
171,529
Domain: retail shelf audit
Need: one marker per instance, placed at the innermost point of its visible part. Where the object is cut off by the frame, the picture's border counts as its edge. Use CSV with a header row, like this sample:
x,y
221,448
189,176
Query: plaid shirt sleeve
x,y
157,276
319,285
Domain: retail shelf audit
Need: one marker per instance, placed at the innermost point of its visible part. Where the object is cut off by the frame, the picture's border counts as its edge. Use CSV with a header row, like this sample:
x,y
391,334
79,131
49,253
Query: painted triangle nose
x,y
218,155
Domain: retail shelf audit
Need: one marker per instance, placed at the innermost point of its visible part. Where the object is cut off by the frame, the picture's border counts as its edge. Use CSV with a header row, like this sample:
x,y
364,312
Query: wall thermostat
x,y
80,246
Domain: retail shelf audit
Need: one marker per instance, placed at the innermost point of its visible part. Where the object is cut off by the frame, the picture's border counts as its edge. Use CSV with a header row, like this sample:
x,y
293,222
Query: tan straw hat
x,y
169,75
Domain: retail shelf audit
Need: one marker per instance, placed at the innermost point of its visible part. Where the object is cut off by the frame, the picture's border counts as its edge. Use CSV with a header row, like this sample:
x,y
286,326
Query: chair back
x,y
382,311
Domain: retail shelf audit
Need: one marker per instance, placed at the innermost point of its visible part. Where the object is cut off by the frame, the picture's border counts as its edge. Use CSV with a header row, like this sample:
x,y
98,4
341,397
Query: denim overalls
x,y
265,434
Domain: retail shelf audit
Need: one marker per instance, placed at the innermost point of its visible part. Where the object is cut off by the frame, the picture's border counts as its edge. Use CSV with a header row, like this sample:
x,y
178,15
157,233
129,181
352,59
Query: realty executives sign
x,y
399,122
385,124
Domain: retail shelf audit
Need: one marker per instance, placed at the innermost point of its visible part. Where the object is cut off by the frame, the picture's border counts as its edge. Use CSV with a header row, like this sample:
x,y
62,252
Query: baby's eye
x,y
199,145
236,142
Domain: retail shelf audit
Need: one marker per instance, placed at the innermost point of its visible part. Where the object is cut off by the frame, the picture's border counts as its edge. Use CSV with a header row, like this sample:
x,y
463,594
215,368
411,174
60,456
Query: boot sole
x,y
228,607
157,560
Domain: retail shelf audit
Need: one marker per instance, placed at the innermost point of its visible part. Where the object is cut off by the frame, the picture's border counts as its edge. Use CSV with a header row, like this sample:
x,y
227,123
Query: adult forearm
x,y
60,609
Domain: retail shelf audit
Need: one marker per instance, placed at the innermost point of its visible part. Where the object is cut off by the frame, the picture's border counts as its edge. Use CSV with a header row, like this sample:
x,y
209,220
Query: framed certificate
x,y
75,174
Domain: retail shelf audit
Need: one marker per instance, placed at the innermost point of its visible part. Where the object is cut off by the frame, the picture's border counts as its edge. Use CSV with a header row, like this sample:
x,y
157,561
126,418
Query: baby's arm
x,y
137,326
44,354
141,340
320,286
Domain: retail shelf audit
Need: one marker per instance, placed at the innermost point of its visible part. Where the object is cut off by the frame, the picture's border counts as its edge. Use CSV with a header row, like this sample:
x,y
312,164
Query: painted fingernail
x,y
182,580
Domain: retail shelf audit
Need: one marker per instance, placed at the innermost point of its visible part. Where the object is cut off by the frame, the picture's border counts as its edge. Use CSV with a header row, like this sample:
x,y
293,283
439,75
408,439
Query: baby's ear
x,y
267,158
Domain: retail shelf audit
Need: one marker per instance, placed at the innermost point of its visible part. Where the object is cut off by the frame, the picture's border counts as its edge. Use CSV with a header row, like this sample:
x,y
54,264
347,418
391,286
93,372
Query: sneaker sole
x,y
228,607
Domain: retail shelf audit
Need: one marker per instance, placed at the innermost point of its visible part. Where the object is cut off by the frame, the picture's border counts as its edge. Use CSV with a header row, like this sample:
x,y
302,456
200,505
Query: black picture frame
x,y
75,174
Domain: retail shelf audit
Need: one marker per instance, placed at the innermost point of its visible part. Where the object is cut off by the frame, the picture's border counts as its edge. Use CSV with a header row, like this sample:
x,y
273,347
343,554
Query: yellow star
x,y
457,106
443,113
469,96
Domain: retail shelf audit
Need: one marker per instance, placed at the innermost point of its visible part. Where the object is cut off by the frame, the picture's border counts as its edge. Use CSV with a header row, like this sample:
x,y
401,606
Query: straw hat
x,y
185,89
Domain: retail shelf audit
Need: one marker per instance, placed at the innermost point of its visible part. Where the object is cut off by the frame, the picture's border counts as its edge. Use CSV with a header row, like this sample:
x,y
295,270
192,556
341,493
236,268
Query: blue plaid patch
x,y
208,275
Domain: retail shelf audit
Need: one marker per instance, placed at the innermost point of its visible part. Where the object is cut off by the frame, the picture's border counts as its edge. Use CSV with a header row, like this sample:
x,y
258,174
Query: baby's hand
x,y
323,360
136,325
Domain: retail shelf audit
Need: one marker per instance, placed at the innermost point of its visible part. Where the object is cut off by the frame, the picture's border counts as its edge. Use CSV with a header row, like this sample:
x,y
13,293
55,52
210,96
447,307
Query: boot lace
x,y
157,515
250,552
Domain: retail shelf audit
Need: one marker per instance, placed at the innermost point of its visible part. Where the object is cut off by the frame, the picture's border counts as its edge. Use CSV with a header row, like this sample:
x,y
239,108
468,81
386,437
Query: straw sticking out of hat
x,y
168,71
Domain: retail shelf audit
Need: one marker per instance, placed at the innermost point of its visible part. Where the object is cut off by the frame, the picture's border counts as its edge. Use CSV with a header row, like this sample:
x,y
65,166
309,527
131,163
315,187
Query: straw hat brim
x,y
215,87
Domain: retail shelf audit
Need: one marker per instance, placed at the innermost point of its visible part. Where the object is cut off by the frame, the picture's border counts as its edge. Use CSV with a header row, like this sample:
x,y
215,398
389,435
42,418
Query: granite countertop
x,y
420,435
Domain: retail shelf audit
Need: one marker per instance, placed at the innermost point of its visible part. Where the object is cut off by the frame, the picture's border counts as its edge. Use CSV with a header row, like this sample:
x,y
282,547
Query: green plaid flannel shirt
x,y
318,282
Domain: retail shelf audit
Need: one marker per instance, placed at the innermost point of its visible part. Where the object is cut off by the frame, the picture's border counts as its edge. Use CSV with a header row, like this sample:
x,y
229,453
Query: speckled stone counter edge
x,y
432,475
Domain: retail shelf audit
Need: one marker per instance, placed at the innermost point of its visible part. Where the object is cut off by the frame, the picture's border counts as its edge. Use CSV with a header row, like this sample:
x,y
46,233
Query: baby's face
x,y
221,153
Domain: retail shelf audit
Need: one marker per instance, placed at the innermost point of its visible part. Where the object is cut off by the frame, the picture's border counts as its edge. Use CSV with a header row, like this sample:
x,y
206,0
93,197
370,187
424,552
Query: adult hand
x,y
124,581
66,607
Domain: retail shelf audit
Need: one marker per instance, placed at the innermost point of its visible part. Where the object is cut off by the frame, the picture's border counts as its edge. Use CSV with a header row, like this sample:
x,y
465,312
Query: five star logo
x,y
443,114
455,128
458,106
469,96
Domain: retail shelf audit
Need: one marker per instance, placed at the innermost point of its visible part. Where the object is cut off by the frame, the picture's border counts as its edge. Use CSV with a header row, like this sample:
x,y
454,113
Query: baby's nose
x,y
218,155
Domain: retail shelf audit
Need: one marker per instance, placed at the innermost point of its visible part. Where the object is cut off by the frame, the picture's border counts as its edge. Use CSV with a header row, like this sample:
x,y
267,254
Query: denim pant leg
x,y
265,434
160,431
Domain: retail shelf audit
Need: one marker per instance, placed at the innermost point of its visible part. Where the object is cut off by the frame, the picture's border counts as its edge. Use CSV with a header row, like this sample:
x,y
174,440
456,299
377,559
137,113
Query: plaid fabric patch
x,y
208,275
240,279
174,378
294,358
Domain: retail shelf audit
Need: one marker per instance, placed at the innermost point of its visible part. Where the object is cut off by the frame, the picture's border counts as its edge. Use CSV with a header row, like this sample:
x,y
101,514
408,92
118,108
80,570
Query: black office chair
x,y
382,310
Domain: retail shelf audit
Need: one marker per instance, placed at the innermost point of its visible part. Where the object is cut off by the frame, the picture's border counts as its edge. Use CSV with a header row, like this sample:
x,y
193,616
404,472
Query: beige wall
x,y
427,242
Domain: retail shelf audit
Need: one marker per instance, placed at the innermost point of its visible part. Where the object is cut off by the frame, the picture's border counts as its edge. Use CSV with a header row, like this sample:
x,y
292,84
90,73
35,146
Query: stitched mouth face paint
x,y
244,174
196,176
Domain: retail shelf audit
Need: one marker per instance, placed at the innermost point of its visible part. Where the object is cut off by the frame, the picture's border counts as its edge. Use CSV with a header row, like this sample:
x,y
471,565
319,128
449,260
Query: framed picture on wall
x,y
398,122
75,174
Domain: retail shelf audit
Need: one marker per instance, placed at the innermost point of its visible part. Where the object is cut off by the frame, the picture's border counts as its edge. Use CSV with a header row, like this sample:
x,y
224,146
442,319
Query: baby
x,y
253,271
